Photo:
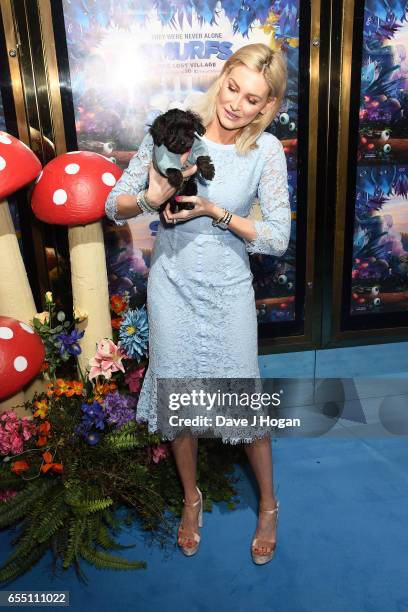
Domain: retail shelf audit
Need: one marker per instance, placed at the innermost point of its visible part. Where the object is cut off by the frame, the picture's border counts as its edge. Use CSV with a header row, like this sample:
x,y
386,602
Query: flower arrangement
x,y
67,471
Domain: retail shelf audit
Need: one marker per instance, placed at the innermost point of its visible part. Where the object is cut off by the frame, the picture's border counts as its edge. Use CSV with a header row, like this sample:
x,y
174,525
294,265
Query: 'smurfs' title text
x,y
193,49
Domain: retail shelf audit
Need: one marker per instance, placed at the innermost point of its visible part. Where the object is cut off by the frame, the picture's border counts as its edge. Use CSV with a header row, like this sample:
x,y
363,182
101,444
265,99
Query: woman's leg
x,y
259,454
184,449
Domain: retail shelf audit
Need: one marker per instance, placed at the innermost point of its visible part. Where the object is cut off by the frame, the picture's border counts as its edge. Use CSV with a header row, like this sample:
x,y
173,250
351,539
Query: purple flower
x,y
92,437
119,408
69,342
93,415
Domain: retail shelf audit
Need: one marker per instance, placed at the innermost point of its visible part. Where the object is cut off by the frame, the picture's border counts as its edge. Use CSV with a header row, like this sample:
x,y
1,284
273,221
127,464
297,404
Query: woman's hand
x,y
202,206
160,190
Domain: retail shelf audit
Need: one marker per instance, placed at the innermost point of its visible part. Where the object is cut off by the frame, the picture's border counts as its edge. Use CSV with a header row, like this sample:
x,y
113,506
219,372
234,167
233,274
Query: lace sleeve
x,y
273,193
133,179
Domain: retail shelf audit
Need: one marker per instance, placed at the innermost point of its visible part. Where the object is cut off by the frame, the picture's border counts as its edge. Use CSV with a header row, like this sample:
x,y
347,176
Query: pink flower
x,y
133,378
159,452
6,494
14,432
16,444
108,359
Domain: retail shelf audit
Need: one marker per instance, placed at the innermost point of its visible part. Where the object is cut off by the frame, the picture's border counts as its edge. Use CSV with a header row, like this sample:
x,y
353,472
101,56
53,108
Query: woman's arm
x,y
121,203
273,231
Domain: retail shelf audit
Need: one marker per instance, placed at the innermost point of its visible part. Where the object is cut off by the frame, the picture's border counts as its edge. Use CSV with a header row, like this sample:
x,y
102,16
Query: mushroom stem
x,y
16,298
16,403
90,286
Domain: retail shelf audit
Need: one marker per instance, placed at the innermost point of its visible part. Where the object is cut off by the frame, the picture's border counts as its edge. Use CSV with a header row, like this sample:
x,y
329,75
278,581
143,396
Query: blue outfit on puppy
x,y
165,159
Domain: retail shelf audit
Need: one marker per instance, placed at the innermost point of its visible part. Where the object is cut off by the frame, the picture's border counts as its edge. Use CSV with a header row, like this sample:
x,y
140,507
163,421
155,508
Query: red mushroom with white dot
x,y
72,190
18,167
22,354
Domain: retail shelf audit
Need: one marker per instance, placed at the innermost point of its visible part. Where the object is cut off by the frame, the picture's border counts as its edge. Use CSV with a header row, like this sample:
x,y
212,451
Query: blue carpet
x,y
342,532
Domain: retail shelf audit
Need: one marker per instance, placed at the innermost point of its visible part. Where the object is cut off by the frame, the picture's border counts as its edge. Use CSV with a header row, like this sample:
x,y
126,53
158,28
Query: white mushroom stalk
x,y
90,287
18,167
16,298
72,191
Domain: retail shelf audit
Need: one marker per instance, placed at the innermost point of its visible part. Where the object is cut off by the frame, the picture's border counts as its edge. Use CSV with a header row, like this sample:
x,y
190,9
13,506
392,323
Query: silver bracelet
x,y
144,204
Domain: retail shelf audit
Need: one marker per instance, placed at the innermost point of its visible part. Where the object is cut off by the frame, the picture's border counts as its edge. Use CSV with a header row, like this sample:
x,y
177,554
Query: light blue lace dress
x,y
200,298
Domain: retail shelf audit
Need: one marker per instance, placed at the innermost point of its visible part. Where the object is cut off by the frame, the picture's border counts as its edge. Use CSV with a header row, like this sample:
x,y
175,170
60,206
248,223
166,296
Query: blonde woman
x,y
200,298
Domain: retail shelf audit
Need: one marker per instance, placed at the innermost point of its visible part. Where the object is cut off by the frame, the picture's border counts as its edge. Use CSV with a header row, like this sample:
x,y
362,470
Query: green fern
x,y
53,517
39,526
8,480
103,560
93,524
110,519
14,568
104,539
29,523
124,439
92,505
76,530
124,442
17,506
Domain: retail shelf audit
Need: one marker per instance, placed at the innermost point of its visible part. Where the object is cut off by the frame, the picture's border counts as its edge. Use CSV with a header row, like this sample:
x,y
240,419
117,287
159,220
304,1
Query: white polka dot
x,y
71,152
37,180
108,179
20,363
2,163
59,197
5,139
72,168
6,333
26,328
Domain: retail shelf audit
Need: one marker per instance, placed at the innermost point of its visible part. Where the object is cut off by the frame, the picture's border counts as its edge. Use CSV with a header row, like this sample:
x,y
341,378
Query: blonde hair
x,y
259,57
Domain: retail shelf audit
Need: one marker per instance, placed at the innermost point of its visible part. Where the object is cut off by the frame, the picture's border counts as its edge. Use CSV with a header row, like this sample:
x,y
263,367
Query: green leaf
x,y
103,560
61,316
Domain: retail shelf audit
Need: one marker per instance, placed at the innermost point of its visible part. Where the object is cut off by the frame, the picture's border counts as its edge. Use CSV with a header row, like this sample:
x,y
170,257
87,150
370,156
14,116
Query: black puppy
x,y
174,133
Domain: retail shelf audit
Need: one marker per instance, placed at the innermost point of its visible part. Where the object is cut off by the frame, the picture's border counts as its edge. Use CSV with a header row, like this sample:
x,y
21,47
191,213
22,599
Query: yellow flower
x,y
80,315
42,409
43,317
48,297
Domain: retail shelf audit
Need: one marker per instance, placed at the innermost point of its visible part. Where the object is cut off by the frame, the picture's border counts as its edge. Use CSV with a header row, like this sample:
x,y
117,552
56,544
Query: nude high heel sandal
x,y
190,550
258,543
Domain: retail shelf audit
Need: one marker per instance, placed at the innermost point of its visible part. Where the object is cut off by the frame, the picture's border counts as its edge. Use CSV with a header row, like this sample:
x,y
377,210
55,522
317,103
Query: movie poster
x,y
380,251
130,61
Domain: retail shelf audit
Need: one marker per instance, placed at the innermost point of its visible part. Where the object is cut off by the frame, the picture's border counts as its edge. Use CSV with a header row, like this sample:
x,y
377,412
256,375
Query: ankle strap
x,y
271,511
192,503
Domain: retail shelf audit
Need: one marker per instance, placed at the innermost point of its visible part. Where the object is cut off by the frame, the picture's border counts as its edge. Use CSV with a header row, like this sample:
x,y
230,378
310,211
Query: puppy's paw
x,y
174,177
205,167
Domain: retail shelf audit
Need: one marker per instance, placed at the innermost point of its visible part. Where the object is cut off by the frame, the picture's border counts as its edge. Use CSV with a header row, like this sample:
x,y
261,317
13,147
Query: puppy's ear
x,y
196,121
158,130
